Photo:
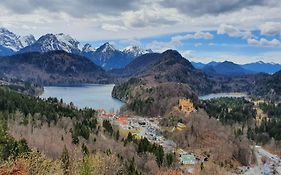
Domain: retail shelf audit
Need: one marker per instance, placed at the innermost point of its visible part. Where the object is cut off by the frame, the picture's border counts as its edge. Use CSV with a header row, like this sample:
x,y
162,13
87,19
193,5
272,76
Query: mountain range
x,y
106,56
51,42
227,67
261,66
109,58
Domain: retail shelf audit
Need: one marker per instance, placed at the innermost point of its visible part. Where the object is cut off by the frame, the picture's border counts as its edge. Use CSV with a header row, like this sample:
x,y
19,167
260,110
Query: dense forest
x,y
230,110
271,126
241,112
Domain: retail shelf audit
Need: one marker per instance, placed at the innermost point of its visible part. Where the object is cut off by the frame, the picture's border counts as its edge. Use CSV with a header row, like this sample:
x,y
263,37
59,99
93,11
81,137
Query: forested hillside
x,y
56,67
80,143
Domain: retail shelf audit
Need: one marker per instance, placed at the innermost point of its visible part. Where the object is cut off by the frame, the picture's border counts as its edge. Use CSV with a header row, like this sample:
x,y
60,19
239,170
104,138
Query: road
x,y
270,165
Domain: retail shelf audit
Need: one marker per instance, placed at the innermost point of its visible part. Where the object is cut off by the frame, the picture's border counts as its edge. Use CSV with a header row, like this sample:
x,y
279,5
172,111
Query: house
x,y
122,120
186,158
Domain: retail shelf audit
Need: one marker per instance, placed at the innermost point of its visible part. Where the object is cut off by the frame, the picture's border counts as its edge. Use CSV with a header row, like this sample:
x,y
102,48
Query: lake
x,y
219,95
94,96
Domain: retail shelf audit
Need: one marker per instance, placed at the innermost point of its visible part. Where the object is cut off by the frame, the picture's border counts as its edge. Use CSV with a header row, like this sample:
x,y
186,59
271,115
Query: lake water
x,y
94,96
219,95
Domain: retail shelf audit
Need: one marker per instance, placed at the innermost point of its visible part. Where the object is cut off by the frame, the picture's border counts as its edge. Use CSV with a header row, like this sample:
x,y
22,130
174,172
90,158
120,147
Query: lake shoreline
x,y
222,95
96,96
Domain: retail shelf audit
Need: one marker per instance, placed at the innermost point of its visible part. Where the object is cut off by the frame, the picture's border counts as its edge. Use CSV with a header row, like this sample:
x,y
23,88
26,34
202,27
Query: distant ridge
x,y
226,68
255,67
52,68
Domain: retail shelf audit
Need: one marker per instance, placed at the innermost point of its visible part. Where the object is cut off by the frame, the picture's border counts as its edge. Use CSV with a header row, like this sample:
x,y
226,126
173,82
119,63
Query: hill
x,y
157,100
168,66
52,68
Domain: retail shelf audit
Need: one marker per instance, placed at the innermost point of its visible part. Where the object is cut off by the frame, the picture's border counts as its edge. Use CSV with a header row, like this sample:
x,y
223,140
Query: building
x,y
122,120
186,106
186,158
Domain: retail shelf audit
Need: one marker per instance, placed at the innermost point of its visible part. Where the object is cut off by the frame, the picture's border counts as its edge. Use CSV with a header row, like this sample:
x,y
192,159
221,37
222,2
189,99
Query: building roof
x,y
187,159
123,120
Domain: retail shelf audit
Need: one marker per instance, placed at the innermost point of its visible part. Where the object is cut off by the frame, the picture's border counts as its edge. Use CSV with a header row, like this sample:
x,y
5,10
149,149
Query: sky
x,y
241,31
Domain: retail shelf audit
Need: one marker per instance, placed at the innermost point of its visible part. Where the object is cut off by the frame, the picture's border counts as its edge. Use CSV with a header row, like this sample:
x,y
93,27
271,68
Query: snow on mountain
x,y
108,57
136,51
27,40
106,47
67,43
88,48
52,42
261,66
13,42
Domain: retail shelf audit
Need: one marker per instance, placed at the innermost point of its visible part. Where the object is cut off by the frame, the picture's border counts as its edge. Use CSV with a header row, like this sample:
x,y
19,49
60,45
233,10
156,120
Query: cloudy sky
x,y
202,30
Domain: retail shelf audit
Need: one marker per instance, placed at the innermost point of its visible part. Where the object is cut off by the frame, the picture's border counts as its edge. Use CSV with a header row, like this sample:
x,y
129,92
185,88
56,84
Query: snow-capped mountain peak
x,y
67,39
106,47
51,42
14,42
67,42
27,40
136,51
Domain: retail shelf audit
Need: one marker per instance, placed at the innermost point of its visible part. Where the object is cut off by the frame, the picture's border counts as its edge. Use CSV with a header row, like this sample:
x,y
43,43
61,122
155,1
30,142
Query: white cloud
x,y
271,28
197,35
187,54
233,31
158,46
150,16
130,42
112,27
264,42
177,40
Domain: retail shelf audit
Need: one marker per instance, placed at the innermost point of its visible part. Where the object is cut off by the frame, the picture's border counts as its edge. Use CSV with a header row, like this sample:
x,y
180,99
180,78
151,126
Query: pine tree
x,y
117,135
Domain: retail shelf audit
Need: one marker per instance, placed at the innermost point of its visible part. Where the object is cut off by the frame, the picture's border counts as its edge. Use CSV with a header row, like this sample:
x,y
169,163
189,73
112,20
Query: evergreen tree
x,y
117,135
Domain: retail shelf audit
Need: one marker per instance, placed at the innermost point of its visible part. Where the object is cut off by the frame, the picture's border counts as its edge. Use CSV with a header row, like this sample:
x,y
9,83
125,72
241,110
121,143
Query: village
x,y
149,128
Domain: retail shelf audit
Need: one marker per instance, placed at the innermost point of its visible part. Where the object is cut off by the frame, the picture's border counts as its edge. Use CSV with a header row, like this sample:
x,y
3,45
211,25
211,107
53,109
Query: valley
x,y
71,110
